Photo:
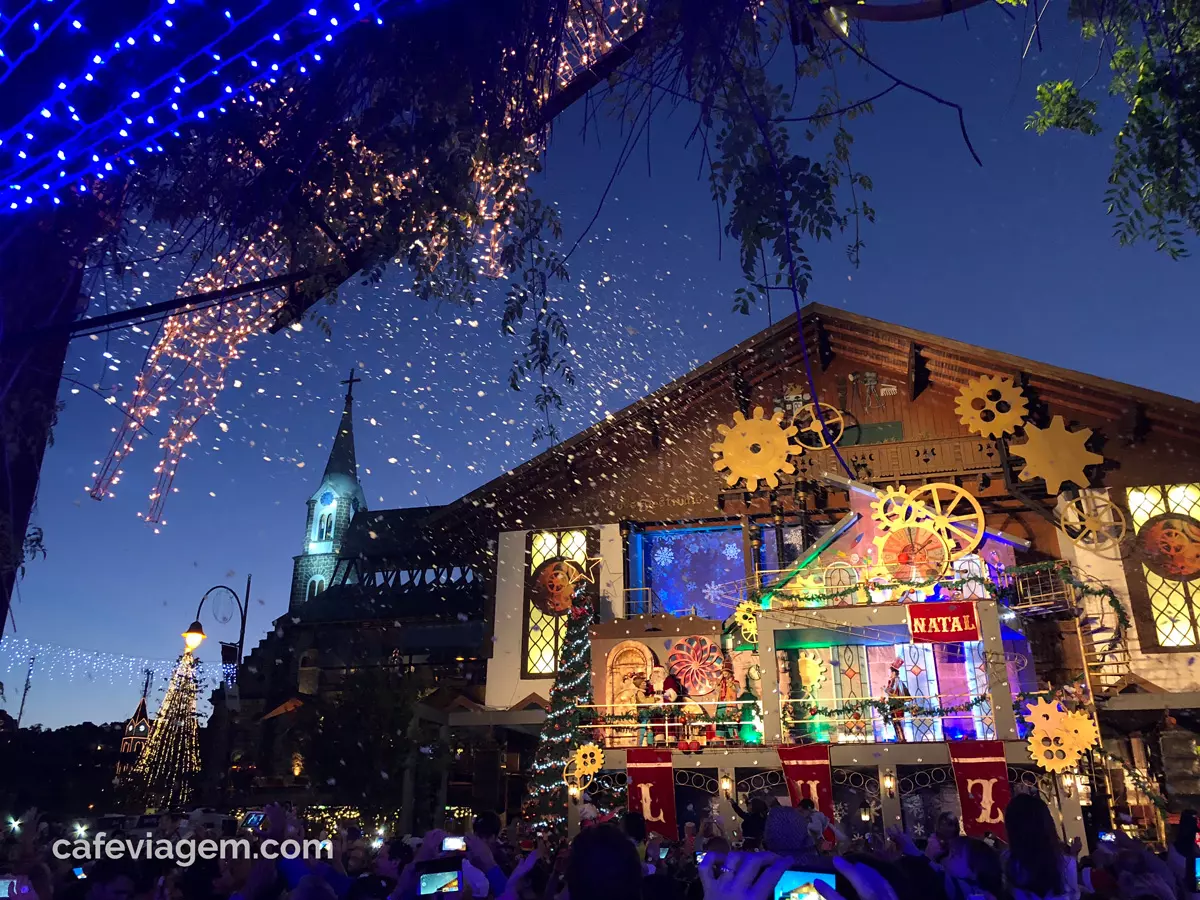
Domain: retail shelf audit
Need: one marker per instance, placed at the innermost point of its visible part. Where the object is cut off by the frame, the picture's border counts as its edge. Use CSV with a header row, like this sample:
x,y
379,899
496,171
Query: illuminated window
x,y
325,527
315,587
1172,585
544,629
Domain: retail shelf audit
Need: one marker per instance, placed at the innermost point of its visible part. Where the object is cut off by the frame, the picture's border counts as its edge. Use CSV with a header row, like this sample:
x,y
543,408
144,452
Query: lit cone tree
x,y
546,804
167,768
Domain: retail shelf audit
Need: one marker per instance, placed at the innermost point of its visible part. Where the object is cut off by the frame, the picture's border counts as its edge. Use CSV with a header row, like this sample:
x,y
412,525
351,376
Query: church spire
x,y
341,457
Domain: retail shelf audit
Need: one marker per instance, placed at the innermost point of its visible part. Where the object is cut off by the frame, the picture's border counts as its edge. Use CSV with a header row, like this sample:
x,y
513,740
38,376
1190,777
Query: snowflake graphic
x,y
712,592
731,551
917,829
794,538
693,547
839,811
663,555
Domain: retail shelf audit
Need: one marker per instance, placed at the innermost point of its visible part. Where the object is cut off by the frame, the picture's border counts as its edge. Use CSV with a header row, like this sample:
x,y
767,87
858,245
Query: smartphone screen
x,y
663,851
1195,874
8,886
253,820
1106,835
79,873
797,883
452,844
439,883
699,857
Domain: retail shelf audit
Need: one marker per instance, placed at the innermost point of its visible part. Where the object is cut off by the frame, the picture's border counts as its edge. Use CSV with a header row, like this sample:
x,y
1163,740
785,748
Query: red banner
x,y
652,789
983,792
806,771
935,623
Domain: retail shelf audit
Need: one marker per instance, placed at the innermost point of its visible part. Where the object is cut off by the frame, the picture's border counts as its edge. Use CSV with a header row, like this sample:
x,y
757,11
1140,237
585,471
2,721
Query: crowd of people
x,y
782,853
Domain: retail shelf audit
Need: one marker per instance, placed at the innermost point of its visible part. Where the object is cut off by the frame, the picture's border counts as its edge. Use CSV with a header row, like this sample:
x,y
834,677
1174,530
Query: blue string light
x,y
177,95
55,662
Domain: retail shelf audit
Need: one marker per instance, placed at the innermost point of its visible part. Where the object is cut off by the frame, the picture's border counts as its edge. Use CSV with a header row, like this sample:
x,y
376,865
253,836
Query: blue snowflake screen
x,y
688,569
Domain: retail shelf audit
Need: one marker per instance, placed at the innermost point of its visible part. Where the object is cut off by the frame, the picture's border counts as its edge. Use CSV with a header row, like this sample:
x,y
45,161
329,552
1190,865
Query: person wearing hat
x,y
895,690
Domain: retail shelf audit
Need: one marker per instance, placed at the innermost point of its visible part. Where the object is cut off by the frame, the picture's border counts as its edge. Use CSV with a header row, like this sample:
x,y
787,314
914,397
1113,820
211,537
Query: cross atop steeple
x,y
351,381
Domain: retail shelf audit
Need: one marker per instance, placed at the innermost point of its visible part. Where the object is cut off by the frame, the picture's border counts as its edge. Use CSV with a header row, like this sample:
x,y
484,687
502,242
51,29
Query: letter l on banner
x,y
652,789
806,771
983,791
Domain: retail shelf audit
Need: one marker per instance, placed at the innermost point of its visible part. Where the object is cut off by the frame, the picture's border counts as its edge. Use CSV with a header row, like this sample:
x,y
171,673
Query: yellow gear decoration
x,y
574,778
1058,738
756,449
589,759
894,508
1055,454
747,621
991,405
1093,523
953,512
809,424
914,553
812,670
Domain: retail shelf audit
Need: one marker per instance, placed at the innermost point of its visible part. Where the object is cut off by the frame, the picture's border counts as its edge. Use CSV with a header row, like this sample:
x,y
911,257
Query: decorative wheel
x,y
1170,546
811,433
554,585
916,553
755,449
1093,523
589,759
574,777
696,662
953,512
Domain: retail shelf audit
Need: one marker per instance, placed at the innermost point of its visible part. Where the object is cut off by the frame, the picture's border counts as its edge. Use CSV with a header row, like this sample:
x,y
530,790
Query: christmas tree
x,y
169,764
546,805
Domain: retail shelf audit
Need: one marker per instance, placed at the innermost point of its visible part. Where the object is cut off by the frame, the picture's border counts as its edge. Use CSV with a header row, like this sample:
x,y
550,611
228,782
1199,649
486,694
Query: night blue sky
x,y
1017,256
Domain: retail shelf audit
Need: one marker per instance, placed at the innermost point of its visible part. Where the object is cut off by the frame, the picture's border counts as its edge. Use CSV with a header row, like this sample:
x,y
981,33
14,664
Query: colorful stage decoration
x,y
1058,737
991,406
981,774
1056,455
812,435
1169,546
554,586
1094,523
915,553
933,623
756,449
651,779
808,776
744,616
696,663
951,511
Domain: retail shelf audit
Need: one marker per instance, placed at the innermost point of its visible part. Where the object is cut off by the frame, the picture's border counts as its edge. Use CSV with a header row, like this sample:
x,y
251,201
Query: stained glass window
x,y
544,632
694,571
1173,601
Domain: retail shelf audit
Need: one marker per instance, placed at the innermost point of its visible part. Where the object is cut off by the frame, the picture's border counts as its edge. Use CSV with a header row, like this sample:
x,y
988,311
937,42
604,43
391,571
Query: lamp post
x,y
194,634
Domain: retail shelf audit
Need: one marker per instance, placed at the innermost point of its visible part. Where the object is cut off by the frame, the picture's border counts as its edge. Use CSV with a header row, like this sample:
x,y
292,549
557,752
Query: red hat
x,y
897,664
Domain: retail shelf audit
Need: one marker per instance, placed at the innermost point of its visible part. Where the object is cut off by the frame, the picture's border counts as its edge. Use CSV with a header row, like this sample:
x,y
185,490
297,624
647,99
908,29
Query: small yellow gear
x,y
894,509
991,405
812,670
1059,738
1052,752
1044,715
1083,729
813,434
747,621
756,449
1055,454
589,759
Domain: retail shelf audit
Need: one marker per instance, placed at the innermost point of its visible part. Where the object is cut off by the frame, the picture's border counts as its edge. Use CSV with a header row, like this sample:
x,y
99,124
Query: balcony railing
x,y
670,725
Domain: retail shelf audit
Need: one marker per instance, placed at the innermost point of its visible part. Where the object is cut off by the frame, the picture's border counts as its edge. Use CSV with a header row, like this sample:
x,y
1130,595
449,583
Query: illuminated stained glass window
x,y
1169,547
544,631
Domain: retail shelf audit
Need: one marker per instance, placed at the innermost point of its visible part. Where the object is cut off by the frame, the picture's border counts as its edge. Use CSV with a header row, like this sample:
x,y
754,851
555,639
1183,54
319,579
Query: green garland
x,y
885,707
1139,780
1004,594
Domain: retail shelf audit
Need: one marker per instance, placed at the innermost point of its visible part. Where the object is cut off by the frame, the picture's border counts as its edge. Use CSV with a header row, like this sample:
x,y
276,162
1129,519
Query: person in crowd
x,y
945,831
754,821
1039,865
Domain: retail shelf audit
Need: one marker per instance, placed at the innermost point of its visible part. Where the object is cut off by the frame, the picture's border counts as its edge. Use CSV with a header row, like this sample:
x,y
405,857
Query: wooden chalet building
x,y
864,579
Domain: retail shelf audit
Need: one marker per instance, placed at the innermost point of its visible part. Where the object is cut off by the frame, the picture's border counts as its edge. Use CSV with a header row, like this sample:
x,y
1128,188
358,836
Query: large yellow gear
x,y
589,759
953,512
991,405
1055,454
756,449
1044,715
1059,738
747,621
894,509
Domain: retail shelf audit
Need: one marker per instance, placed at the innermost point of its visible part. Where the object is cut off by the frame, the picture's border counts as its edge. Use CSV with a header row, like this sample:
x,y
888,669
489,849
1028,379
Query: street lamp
x,y
194,635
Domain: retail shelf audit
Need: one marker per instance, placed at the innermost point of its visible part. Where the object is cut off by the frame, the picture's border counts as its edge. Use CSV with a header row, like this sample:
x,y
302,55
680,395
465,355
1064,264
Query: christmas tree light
x,y
546,805
168,766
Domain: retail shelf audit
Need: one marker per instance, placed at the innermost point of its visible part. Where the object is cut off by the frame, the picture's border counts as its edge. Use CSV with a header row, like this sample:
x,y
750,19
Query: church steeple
x,y
336,501
341,457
